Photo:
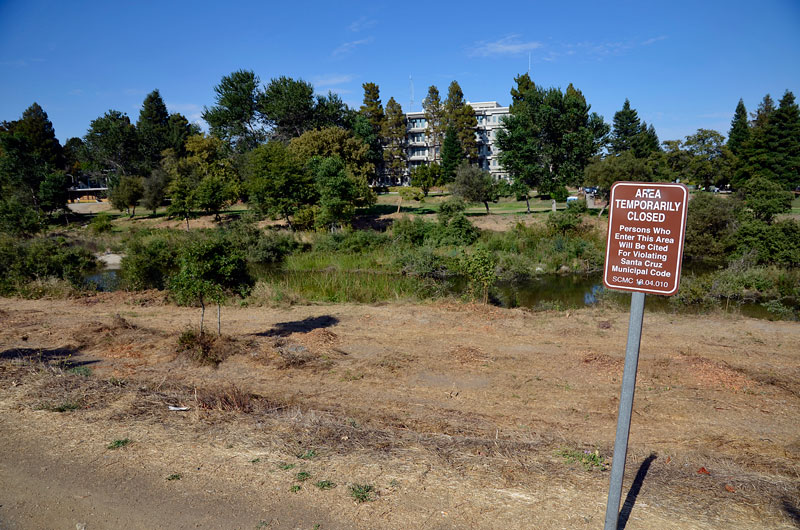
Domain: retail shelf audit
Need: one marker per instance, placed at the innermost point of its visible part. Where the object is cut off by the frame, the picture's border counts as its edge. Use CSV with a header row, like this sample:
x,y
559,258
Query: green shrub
x,y
101,223
148,263
272,247
354,241
711,224
411,232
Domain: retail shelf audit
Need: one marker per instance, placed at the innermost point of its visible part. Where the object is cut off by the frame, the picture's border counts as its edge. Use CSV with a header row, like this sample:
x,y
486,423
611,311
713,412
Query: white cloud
x,y
648,42
332,80
348,47
510,45
361,24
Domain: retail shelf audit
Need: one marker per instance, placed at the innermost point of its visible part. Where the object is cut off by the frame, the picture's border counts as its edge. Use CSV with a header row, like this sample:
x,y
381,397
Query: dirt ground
x,y
457,416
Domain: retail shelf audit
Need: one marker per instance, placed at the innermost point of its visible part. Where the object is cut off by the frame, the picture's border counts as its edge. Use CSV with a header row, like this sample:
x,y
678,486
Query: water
x,y
549,291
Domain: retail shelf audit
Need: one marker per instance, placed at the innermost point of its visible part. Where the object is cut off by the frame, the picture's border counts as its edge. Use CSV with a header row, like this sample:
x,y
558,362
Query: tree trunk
x,y
187,223
133,212
289,222
219,322
202,315
486,203
603,209
528,203
399,204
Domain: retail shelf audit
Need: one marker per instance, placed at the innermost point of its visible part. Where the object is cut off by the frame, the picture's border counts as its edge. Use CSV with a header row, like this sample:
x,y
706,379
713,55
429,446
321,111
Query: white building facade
x,y
488,114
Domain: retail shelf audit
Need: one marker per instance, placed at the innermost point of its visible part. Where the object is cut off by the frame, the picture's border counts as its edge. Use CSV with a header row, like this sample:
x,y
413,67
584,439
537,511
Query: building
x,y
488,114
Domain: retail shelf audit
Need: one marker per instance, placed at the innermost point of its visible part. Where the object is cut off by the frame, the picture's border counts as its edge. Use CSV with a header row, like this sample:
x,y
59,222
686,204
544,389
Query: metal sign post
x,y
625,410
646,226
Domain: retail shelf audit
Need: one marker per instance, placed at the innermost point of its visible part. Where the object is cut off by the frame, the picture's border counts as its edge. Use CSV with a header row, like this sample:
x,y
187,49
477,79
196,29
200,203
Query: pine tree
x,y
739,132
524,83
773,149
784,136
394,138
626,127
152,129
38,130
452,154
646,142
372,108
461,116
372,113
434,115
760,118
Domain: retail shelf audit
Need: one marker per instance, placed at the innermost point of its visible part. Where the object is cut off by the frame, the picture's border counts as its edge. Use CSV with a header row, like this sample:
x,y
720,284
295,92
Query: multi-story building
x,y
488,114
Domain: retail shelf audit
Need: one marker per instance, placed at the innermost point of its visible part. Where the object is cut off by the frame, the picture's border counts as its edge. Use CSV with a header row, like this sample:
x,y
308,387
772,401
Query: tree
x,y
371,108
206,178
394,138
127,193
739,132
209,267
646,142
773,149
604,172
289,107
155,189
434,115
53,193
362,130
626,128
475,185
237,115
333,141
277,182
331,111
72,156
711,225
111,144
452,154
711,161
425,177
549,138
21,172
38,129
765,198
524,84
152,129
760,118
339,193
461,117
178,131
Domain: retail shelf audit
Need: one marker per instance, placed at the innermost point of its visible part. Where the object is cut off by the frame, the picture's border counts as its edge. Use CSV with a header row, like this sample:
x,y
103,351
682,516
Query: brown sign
x,y
646,225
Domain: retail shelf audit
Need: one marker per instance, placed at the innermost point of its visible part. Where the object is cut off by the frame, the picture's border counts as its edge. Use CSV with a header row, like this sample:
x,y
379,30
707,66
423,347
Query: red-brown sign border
x,y
680,243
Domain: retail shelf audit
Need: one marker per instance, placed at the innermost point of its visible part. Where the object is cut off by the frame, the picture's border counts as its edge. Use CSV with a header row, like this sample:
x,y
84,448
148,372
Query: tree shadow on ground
x,y
63,356
633,493
283,329
792,510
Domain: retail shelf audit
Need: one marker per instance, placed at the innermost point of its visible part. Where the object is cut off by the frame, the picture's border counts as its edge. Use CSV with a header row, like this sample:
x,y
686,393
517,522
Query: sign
x,y
646,226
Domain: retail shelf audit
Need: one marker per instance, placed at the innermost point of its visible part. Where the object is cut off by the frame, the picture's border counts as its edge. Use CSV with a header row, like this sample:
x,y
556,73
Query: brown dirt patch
x,y
455,413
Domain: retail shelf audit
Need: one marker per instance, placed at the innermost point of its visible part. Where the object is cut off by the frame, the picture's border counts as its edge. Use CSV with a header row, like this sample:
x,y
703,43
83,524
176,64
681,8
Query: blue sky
x,y
683,65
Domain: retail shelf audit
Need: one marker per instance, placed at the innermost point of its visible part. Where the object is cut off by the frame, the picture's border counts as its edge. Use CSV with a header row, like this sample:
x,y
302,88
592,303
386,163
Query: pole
x,y
625,410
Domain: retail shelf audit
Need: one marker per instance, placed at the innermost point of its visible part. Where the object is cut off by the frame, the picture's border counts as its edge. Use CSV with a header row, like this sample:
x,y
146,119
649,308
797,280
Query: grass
x,y
362,492
295,488
302,476
340,287
118,444
286,467
589,460
64,406
307,455
325,485
174,476
80,370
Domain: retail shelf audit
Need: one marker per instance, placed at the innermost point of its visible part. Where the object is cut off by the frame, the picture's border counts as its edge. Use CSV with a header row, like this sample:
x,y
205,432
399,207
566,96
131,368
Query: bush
x,y
426,263
148,263
101,223
411,232
354,241
42,258
777,244
565,222
712,222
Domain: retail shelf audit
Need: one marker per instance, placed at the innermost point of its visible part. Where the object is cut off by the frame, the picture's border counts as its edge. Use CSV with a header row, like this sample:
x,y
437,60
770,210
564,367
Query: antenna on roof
x,y
411,83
